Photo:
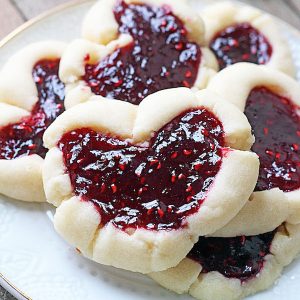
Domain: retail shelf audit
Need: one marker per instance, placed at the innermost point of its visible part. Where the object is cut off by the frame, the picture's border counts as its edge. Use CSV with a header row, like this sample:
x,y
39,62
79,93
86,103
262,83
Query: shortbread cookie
x,y
135,48
31,97
233,268
270,100
239,33
135,183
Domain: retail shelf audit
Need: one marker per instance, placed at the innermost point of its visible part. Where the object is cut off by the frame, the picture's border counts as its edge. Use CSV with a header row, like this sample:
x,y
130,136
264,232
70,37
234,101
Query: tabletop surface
x,y
15,12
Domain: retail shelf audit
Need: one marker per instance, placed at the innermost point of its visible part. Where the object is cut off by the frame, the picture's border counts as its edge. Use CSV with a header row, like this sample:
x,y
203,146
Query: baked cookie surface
x,y
142,47
239,33
270,100
31,97
133,183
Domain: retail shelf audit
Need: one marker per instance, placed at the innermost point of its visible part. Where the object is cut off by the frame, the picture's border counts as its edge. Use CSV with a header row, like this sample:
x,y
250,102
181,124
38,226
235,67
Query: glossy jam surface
x,y
152,186
25,137
276,126
159,57
238,257
240,43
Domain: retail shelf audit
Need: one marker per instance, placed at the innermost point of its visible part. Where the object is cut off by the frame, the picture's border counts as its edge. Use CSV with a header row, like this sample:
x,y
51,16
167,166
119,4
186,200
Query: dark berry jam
x,y
239,257
240,43
25,137
154,186
276,126
159,57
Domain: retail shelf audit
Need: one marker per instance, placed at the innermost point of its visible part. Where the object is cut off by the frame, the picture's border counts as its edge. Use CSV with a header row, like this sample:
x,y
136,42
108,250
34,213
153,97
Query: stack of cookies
x,y
167,140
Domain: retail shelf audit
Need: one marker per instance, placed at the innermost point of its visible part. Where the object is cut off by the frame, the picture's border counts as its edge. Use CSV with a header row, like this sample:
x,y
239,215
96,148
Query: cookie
x,y
134,183
31,97
135,48
239,33
233,268
270,100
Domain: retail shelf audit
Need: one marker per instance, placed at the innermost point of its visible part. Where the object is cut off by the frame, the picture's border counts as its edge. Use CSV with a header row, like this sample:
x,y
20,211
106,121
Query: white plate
x,y
38,262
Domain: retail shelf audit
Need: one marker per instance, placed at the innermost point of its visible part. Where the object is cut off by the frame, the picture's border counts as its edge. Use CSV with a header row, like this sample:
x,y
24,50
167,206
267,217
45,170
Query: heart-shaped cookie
x,y
270,100
234,267
146,46
133,183
31,97
239,33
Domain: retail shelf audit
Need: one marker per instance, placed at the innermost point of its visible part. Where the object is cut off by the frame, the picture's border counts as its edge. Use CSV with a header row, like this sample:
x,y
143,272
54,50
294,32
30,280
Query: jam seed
x,y
188,74
179,46
113,188
38,79
234,43
173,178
122,167
79,161
181,176
163,23
245,56
189,188
204,132
266,130
118,83
153,162
174,155
187,152
197,167
296,147
93,83
189,198
103,187
160,212
269,152
32,146
186,84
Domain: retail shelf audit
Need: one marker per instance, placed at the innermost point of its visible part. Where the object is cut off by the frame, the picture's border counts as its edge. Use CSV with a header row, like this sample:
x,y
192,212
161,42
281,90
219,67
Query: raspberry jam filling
x,y
159,57
240,43
276,126
239,257
25,137
154,186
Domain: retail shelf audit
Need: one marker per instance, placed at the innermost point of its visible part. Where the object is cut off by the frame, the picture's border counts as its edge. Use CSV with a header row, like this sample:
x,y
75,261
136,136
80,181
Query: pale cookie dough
x,y
138,249
188,277
234,84
21,177
221,15
102,38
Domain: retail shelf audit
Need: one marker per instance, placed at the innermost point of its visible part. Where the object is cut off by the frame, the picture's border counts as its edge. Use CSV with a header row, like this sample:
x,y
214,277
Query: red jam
x,y
276,126
239,257
155,186
240,43
159,57
25,137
